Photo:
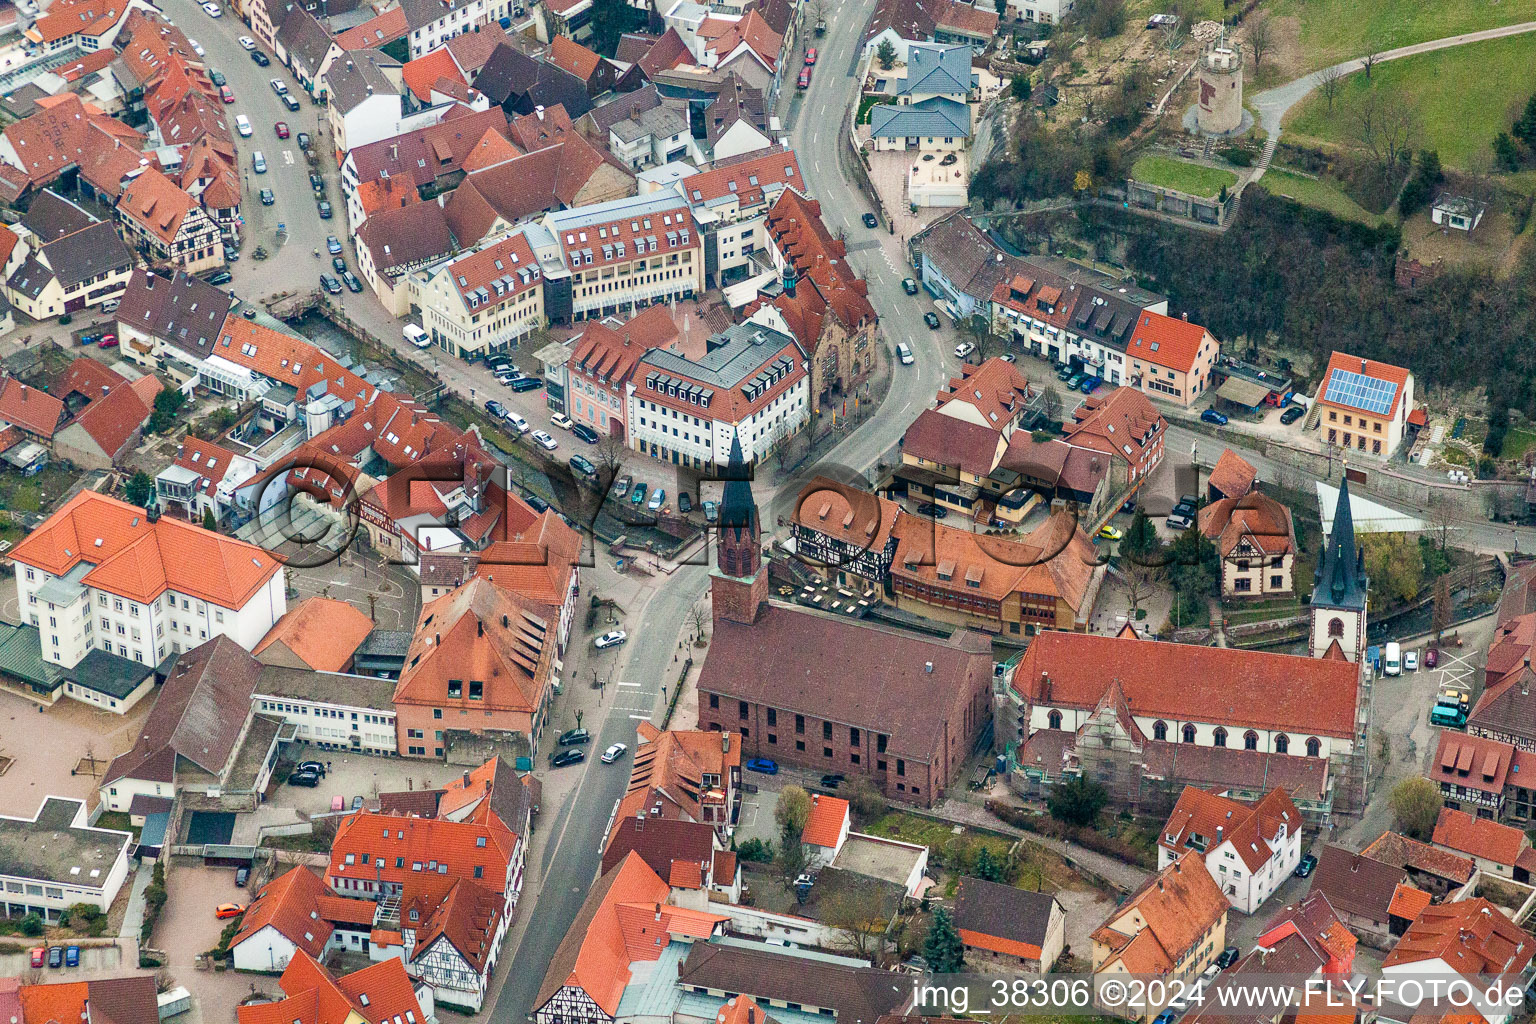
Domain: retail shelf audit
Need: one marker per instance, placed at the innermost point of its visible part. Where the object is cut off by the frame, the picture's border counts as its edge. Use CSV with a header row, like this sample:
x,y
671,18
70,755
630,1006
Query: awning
x,y
1242,392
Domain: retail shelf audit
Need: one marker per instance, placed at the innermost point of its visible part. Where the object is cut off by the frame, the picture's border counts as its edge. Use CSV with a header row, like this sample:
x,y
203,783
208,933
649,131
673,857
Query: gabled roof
x,y
1055,560
1471,762
625,919
290,903
1175,907
753,33
611,354
157,203
35,411
854,995
1355,883
478,633
948,441
404,237
305,37
457,848
665,54
846,513
320,631
938,69
1072,670
1363,385
1203,821
359,75
1255,519
1400,851
466,917
186,312
111,419
825,823
1232,475
198,714
423,72
667,777
492,794
1479,837
568,55
1004,918
1472,937
996,391
376,31
1125,424
1168,342
736,101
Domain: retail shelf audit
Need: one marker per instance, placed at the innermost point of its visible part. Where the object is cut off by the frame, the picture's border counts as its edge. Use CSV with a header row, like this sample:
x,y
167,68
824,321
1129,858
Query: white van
x,y
1392,660
243,126
258,162
416,336
517,422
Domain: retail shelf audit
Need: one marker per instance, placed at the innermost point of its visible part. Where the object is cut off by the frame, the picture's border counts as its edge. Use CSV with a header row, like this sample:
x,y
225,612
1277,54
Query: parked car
x,y
932,320
1410,661
309,780
213,10
621,486
763,765
658,499
871,221
582,465
303,140
1212,416
1073,381
612,638
684,503
525,384
325,209
904,353
543,440
804,81
1304,868
561,420
810,56
216,77
316,182
339,263
1109,532
268,197
964,349
72,956
330,284
246,42
1431,658
107,341
357,803
228,910
56,956
258,162
1292,414
226,94
350,280
261,59
1089,385
932,511
571,737
1064,373
220,277
573,756
332,246
278,86
1228,957
281,127
495,408
909,286
289,102
637,496
311,766
517,422
242,875
711,512
613,753
243,126
584,432
39,956
831,781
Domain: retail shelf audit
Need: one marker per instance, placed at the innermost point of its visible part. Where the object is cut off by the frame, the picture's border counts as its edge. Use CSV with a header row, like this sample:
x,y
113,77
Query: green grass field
x,y
1463,96
1321,194
1517,442
1335,30
1194,179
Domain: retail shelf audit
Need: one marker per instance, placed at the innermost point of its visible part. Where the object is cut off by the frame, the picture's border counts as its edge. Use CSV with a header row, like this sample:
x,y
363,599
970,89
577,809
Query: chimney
x,y
725,742
466,778
1159,885
505,622
928,667
751,1015
437,638
479,628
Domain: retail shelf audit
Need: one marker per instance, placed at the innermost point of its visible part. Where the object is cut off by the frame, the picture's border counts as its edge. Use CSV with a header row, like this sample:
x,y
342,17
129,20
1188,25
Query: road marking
x,y
288,157
630,684
818,166
641,718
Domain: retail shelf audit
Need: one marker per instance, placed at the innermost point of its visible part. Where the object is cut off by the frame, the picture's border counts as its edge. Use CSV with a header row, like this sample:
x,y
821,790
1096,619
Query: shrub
x,y
756,851
32,925
1237,156
1088,838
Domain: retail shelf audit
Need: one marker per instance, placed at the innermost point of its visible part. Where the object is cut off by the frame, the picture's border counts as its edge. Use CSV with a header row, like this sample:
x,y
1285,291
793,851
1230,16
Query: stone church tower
x,y
739,585
1340,591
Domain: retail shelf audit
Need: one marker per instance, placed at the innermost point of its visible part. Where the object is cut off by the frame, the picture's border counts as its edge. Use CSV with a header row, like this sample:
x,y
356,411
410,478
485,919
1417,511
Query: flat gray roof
x,y
340,688
735,354
51,848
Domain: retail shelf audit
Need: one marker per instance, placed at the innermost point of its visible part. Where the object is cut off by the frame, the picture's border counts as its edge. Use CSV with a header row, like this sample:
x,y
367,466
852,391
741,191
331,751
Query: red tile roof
x,y
1232,475
1176,907
1479,837
750,178
62,131
290,904
669,770
422,73
141,560
753,32
1255,520
1074,669
452,845
111,419
1472,937
321,632
1169,342
829,283
1055,560
825,824
36,412
1408,902
1217,819
1125,423
610,354
995,389
157,203
846,513
1472,762
376,31
569,55
1368,368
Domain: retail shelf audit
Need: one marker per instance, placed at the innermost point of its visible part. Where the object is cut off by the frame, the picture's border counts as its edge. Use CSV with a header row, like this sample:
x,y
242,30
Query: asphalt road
x,y
287,173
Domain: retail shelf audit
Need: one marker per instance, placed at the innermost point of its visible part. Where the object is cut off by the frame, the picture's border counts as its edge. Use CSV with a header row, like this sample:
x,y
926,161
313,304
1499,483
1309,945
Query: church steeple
x,y
739,586
1341,591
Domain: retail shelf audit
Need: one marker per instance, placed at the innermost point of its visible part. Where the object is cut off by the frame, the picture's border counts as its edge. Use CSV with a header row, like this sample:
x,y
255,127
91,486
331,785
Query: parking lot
x,y
352,775
188,928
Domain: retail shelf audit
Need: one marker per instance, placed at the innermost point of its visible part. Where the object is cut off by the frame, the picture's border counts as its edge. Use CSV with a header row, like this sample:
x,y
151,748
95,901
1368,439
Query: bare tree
x,y
610,453
1440,614
1368,62
698,618
1386,126
1260,40
1442,515
1329,82
862,920
1050,403
1139,581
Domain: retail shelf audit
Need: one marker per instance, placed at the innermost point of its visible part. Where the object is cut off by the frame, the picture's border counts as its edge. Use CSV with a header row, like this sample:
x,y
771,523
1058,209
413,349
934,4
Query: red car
x,y
1431,658
107,341
37,956
226,94
805,79
810,56
282,129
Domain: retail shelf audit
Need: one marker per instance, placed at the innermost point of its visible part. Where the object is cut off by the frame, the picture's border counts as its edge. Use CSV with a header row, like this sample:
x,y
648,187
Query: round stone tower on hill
x,y
1219,106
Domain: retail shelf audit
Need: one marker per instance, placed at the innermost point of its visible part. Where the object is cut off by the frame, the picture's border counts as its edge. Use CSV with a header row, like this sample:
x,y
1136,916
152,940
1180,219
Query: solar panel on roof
x,y
1370,394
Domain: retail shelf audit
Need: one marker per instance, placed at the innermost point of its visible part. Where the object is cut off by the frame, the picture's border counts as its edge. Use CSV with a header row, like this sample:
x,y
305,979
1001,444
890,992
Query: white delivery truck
x,y
416,336
1392,660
